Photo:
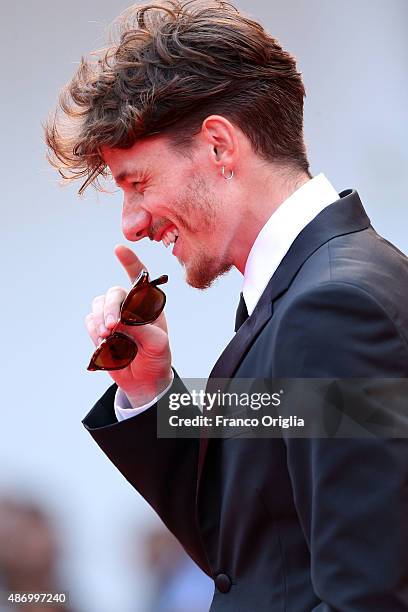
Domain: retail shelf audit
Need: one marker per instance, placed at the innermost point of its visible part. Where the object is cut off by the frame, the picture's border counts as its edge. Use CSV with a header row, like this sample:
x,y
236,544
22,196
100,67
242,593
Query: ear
x,y
222,138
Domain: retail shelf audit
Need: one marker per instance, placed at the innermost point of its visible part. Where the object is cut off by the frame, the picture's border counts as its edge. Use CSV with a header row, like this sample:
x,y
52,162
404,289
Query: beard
x,y
202,271
197,212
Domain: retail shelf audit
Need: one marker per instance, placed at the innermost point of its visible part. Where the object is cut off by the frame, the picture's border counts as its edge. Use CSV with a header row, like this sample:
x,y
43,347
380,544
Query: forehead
x,y
145,154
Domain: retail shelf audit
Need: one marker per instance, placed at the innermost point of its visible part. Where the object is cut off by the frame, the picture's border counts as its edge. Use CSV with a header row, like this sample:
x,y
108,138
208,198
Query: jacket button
x,y
223,583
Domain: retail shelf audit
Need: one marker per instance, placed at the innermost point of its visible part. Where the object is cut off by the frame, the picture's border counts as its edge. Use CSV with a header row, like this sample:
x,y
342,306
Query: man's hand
x,y
150,371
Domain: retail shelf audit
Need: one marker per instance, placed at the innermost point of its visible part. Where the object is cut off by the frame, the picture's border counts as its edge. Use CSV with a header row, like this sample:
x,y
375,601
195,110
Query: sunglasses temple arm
x,y
160,281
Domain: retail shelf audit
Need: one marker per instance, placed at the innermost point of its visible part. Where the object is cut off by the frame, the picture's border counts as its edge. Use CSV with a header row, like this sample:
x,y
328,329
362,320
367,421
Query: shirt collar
x,y
279,232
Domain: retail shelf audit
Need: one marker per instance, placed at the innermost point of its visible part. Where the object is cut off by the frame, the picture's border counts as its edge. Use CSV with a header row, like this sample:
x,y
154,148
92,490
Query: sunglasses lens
x,y
142,306
115,353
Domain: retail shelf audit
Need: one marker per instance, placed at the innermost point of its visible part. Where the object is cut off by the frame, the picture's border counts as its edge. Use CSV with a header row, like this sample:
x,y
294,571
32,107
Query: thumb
x,y
130,261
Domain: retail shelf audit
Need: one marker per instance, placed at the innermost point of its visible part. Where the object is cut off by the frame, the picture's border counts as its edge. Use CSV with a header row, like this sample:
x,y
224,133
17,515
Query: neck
x,y
260,201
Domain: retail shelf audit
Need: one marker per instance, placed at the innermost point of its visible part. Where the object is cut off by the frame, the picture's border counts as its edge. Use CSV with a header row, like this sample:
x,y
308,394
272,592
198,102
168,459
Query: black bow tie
x,y
242,313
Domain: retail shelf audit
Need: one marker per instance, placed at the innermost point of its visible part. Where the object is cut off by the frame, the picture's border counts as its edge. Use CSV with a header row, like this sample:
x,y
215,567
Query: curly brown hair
x,y
169,65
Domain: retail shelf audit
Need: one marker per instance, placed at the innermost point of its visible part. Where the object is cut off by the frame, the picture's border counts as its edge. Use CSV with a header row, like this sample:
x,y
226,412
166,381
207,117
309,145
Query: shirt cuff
x,y
124,409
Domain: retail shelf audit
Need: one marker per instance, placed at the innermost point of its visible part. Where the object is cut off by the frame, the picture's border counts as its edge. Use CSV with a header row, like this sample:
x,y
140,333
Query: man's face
x,y
167,194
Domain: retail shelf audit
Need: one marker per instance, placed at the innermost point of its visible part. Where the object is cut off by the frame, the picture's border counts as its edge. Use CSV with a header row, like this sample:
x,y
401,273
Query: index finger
x,y
129,261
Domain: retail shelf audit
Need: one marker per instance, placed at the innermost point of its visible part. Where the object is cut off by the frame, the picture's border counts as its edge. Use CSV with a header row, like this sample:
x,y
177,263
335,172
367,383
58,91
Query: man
x,y
197,113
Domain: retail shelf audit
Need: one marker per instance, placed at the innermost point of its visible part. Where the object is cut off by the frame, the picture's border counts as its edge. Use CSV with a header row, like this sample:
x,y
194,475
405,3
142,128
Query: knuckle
x,y
113,301
112,306
97,300
90,326
115,289
111,315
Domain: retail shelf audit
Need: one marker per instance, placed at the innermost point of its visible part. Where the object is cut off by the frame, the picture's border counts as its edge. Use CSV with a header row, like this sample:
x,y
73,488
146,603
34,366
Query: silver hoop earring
x,y
227,178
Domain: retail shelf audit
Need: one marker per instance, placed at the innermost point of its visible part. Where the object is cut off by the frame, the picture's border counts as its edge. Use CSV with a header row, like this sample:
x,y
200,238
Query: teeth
x,y
170,236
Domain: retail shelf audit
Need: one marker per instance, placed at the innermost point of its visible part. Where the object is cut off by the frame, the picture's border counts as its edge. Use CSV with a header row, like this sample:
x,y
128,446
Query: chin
x,y
202,273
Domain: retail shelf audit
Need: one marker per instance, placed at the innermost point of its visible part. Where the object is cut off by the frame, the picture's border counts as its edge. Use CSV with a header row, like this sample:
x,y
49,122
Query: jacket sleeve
x,y
163,470
351,495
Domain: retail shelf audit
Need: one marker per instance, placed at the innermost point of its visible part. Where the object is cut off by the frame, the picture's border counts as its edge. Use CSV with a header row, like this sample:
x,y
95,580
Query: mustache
x,y
152,231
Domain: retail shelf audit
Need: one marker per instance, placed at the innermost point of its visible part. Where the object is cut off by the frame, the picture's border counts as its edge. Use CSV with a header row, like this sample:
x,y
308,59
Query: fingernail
x,y
110,320
102,329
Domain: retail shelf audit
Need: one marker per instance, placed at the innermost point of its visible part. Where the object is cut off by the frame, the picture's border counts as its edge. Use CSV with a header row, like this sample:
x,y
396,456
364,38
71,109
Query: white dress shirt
x,y
270,247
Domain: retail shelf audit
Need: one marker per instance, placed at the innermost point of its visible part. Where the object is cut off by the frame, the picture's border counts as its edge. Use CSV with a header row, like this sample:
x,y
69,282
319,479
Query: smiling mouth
x,y
170,236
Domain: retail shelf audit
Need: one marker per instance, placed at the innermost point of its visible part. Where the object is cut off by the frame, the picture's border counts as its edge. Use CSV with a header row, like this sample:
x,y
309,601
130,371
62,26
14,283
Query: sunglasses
x,y
142,305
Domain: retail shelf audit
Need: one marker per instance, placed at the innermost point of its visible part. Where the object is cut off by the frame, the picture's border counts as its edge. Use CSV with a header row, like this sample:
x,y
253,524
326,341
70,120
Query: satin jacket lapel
x,y
344,216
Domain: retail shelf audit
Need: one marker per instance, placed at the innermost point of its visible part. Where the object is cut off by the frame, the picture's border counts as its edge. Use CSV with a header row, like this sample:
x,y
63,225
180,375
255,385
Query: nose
x,y
135,222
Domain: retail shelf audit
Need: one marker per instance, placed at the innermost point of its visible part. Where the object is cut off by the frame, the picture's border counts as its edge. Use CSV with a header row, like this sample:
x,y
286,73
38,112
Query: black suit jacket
x,y
289,524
